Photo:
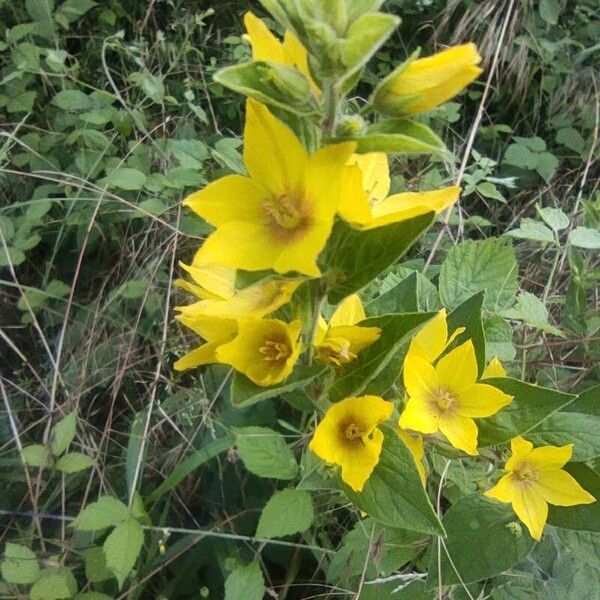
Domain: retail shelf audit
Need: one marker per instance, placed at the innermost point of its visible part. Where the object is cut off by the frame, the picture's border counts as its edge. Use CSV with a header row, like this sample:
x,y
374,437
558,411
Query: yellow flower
x,y
214,330
365,202
290,52
209,280
348,436
534,478
414,443
432,339
281,216
446,397
341,340
494,369
263,350
425,83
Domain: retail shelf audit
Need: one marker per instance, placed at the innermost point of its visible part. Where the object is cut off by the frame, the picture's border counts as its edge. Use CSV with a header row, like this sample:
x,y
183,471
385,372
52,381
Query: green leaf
x,y
584,517
561,428
354,258
480,542
72,100
245,582
244,392
126,179
190,464
571,138
95,565
546,165
394,494
287,512
550,11
63,433
379,364
489,190
400,136
585,237
532,230
272,84
38,208
36,455
531,405
473,266
555,218
531,310
587,402
15,257
401,298
93,596
105,512
265,453
54,585
73,462
122,548
20,565
134,446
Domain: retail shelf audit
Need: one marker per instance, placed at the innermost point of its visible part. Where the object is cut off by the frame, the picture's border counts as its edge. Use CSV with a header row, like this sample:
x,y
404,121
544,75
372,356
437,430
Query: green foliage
x,y
20,564
287,512
245,582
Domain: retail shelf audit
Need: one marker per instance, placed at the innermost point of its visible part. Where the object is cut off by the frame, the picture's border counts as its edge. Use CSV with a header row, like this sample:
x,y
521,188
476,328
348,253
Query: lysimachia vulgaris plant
x,y
391,403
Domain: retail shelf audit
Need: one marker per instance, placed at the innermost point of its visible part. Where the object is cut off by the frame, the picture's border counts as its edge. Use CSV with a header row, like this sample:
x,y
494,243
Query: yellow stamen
x,y
274,351
353,431
284,212
444,400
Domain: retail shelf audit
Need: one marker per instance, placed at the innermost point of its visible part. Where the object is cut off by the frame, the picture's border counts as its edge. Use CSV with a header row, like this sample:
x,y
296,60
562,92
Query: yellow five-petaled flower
x,y
281,216
348,436
535,478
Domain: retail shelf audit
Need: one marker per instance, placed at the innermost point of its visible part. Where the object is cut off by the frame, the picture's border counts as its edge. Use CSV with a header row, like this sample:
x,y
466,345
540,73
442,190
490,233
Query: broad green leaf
x,y
561,428
571,138
583,545
479,541
54,585
529,229
272,84
550,11
287,512
126,178
122,548
394,494
244,392
473,266
584,517
63,433
36,455
532,311
20,565
400,136
498,334
190,464
38,208
105,512
245,582
353,258
95,565
73,462
265,453
586,237
378,365
555,218
93,596
531,405
587,402
401,298
72,100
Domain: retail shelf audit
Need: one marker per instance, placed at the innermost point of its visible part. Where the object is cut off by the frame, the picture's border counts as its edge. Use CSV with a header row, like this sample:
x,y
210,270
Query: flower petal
x,y
504,490
375,174
359,462
203,355
550,457
432,337
457,370
273,155
265,46
349,312
420,378
354,204
520,449
561,489
415,444
460,431
231,198
531,509
418,416
481,400
494,369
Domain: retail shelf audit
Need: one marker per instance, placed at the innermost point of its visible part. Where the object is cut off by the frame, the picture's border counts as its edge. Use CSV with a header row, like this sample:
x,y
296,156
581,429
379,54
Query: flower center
x,y
284,212
353,431
527,474
274,351
336,351
444,400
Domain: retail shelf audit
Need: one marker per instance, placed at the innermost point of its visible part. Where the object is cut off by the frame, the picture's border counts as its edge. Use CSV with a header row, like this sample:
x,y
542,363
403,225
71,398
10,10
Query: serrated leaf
x,y
36,455
401,298
532,311
532,404
126,178
95,565
105,512
20,564
73,462
72,101
555,218
54,585
479,542
122,549
529,229
394,494
63,433
245,582
473,266
265,453
353,258
287,512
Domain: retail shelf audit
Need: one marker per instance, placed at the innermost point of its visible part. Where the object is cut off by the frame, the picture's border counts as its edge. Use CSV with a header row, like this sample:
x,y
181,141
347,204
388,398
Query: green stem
x,y
331,101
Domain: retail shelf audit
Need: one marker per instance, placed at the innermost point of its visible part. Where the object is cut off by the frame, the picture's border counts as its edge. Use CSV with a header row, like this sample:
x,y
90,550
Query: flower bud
x,y
350,126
